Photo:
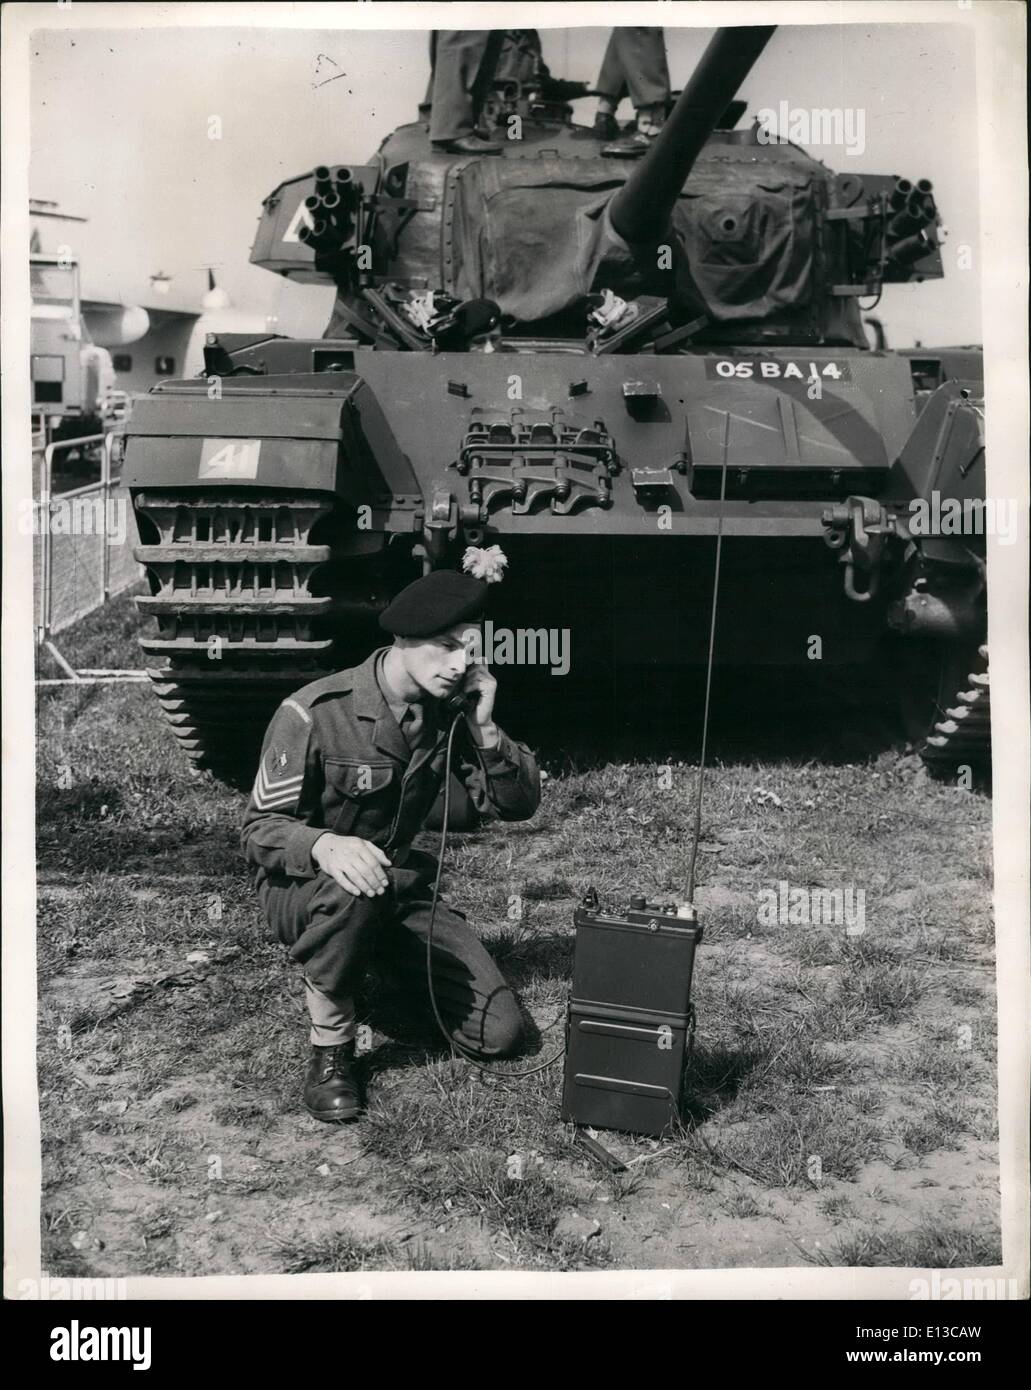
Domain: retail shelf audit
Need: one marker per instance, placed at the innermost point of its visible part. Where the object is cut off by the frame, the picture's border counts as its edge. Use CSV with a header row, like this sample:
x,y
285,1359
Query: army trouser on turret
x,y
463,62
335,936
635,62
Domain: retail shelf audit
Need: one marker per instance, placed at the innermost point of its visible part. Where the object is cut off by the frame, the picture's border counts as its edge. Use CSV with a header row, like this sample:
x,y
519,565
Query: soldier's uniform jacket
x,y
335,759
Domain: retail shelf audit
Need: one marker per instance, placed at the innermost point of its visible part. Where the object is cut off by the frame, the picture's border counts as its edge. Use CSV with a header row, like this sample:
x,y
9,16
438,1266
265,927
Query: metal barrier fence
x,y
83,541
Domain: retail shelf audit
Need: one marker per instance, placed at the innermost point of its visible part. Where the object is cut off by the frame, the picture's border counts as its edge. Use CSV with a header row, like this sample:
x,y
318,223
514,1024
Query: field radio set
x,y
629,1022
629,1017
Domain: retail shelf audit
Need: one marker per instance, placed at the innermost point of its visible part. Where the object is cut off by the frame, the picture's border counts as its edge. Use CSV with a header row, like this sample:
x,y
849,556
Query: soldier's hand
x,y
483,686
356,864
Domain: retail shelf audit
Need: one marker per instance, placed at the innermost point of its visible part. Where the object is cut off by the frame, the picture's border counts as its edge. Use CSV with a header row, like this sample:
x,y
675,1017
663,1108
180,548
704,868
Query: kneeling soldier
x,y
350,768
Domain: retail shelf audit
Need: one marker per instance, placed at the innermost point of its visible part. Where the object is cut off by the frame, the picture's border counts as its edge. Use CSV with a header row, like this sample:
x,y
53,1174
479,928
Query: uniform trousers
x,y
336,937
635,62
463,62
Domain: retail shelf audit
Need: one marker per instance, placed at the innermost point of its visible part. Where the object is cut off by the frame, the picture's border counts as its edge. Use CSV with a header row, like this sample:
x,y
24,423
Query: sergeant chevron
x,y
270,794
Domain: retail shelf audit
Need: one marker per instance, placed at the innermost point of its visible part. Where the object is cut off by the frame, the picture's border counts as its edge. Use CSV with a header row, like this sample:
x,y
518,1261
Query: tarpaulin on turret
x,y
749,232
532,234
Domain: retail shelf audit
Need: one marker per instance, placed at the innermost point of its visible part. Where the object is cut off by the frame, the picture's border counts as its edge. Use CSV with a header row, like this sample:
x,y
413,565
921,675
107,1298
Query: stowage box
x,y
629,1016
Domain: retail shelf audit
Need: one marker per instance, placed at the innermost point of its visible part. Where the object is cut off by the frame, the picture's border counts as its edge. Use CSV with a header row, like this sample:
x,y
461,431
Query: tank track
x,y
964,732
235,615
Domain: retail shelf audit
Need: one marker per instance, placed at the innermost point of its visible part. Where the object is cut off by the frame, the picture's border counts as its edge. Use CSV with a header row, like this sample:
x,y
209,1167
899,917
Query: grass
x,y
826,1067
929,1246
799,1145
337,1252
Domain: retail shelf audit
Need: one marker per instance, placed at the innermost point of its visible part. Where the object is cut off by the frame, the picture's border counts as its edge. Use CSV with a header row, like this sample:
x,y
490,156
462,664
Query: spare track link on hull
x,y
234,613
964,732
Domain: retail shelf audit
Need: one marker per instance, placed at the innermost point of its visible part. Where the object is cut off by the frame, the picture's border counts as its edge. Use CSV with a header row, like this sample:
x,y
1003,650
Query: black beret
x,y
436,601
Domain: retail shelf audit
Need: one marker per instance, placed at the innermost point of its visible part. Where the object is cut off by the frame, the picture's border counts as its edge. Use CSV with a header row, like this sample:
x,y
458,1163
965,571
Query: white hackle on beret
x,y
486,564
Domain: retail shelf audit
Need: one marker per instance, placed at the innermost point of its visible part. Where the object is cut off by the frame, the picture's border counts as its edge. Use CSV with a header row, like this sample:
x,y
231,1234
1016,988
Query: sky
x,y
121,121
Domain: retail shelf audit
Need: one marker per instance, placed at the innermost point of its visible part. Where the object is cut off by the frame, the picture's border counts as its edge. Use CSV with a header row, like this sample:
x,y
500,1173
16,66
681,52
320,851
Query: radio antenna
x,y
696,836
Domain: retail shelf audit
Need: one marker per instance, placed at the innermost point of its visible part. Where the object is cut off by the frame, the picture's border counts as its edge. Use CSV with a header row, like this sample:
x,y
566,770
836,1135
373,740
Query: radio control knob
x,y
637,902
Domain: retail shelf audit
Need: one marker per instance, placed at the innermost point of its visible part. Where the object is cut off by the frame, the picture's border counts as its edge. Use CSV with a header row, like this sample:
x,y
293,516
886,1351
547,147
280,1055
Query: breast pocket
x,y
362,796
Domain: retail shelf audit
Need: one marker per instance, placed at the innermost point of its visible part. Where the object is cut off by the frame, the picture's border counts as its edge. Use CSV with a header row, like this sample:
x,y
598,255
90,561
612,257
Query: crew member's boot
x,y
605,127
467,144
650,121
330,1088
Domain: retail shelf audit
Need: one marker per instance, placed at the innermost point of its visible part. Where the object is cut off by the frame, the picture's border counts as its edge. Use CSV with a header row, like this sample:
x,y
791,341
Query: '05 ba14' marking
x,y
774,369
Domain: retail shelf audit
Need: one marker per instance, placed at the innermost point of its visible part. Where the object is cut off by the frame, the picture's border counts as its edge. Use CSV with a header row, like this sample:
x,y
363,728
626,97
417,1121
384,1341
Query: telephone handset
x,y
461,702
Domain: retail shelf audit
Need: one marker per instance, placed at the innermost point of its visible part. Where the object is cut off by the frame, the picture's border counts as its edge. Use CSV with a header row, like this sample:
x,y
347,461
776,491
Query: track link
x,y
964,733
236,621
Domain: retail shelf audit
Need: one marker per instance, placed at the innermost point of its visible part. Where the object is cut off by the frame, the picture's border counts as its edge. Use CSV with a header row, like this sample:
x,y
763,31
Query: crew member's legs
x,y
611,84
635,61
612,77
426,105
642,56
464,63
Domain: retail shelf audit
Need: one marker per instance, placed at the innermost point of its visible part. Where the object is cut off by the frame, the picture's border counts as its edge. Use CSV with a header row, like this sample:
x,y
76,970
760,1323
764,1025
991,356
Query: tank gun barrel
x,y
640,210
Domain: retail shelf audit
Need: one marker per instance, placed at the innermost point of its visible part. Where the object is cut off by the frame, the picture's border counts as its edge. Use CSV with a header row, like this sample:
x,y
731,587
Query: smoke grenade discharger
x,y
332,208
629,1020
912,216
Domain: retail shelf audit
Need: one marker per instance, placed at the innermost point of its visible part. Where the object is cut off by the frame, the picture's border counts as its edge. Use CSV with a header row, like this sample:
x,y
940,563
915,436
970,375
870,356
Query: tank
x,y
595,363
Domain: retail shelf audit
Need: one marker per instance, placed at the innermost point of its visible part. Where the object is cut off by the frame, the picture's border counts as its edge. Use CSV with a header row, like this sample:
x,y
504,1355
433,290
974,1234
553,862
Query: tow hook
x,y
440,527
858,528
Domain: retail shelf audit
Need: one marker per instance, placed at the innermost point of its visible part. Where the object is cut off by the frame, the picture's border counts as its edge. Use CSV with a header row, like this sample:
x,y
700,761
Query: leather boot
x,y
330,1089
630,147
605,127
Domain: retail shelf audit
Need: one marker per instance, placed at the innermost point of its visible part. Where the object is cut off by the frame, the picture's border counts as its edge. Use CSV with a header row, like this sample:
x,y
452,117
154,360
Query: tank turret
x,y
763,240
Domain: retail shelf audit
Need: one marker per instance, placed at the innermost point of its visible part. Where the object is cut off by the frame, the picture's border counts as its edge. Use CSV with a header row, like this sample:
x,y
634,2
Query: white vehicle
x,y
72,378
